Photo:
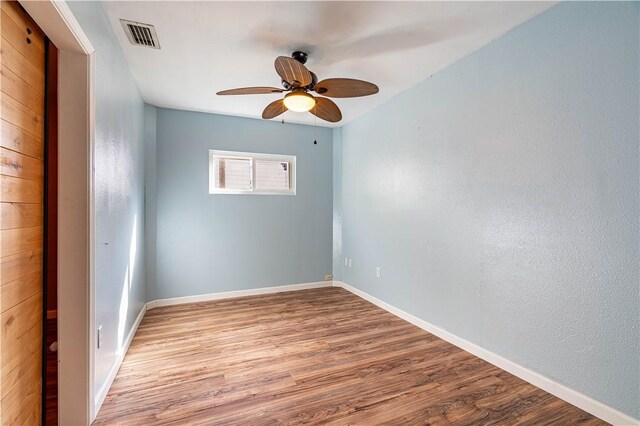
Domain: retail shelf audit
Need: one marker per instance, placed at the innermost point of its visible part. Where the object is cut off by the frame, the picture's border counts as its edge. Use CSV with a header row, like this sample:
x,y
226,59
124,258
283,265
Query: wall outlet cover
x,y
99,337
328,277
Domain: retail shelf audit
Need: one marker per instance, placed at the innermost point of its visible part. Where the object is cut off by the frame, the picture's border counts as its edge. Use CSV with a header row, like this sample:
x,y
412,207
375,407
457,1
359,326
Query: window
x,y
250,173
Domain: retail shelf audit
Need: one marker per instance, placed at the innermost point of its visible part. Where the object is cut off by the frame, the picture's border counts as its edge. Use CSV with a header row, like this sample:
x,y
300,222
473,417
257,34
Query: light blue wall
x,y
150,124
213,243
119,189
500,198
337,204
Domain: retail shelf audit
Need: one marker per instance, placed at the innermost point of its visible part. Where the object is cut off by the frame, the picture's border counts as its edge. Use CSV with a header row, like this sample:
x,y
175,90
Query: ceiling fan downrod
x,y
301,57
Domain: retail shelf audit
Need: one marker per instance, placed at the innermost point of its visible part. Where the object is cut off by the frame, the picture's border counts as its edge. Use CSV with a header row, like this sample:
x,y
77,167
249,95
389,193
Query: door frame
x,y
76,214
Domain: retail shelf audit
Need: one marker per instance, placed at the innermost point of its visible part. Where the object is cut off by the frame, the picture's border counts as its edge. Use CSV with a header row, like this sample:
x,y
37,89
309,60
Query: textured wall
x,y
500,198
119,189
337,204
150,127
212,243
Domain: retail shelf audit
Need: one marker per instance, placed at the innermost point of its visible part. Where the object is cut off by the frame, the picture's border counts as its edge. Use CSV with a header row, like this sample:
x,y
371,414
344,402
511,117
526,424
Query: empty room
x,y
319,212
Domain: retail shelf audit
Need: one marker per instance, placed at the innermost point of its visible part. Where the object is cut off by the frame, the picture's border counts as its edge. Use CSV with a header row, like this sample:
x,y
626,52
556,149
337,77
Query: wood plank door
x,y
22,112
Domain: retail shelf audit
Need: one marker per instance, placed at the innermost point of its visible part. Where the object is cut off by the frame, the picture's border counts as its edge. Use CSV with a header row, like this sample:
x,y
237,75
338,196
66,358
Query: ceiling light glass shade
x,y
299,101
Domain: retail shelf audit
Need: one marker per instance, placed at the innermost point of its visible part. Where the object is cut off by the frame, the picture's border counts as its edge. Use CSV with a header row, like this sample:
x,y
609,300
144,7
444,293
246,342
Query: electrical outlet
x,y
350,262
328,277
99,337
378,272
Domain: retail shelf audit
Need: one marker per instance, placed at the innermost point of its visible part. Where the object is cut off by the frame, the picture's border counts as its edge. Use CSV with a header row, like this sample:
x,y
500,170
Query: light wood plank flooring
x,y
320,356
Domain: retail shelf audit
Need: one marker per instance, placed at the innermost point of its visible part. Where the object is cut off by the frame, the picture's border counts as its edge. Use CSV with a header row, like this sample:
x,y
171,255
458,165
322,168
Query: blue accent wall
x,y
150,191
215,243
337,204
119,160
500,197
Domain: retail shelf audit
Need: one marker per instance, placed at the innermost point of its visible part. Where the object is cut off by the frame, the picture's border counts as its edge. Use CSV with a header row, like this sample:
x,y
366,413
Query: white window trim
x,y
252,156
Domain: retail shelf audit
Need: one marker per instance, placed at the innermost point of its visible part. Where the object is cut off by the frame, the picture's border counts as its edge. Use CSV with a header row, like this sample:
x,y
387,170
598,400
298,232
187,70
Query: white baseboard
x,y
573,397
104,389
239,293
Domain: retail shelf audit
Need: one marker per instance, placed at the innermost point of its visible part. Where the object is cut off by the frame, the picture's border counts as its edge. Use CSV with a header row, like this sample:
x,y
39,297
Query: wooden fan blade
x,y
251,91
292,71
327,110
345,88
274,109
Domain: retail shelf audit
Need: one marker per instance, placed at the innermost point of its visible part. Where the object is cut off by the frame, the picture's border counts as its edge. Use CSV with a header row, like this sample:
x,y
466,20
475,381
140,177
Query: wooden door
x,y
22,86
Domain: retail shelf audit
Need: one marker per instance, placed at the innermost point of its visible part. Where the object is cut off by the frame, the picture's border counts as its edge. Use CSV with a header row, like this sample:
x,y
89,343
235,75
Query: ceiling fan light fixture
x,y
299,101
298,80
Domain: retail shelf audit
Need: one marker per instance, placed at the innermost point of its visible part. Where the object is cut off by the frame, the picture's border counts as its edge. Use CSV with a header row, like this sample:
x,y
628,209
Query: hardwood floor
x,y
320,356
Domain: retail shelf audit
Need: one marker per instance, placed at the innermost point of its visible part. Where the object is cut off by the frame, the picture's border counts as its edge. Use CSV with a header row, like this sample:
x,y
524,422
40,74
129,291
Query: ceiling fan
x,y
299,81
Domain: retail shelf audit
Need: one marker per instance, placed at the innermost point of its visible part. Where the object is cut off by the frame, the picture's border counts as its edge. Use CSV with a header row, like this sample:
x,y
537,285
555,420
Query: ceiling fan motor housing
x,y
300,56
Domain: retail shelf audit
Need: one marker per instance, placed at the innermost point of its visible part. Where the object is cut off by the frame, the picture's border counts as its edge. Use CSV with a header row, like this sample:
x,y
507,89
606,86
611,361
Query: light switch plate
x,y
350,262
377,271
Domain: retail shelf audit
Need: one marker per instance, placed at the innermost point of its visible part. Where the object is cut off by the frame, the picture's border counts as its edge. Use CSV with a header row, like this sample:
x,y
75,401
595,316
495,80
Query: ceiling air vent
x,y
140,34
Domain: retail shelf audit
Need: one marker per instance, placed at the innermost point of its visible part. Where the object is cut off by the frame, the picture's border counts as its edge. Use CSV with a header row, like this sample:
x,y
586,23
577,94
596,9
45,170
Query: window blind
x,y
233,173
271,175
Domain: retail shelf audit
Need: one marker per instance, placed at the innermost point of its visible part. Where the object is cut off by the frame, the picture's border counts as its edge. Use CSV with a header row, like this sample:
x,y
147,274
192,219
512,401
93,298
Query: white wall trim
x,y
573,397
104,389
239,293
59,24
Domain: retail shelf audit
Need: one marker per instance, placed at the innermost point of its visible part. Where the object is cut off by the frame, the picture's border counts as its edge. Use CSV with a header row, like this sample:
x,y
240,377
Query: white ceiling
x,y
211,46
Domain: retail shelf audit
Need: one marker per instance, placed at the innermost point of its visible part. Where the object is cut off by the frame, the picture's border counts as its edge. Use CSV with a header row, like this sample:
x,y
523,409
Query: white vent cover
x,y
140,34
